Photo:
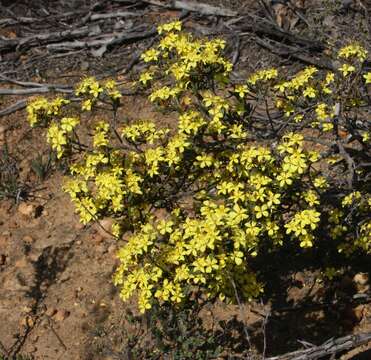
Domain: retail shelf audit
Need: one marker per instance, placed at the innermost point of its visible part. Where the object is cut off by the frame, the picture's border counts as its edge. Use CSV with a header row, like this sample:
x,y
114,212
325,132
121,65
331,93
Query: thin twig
x,y
265,322
241,312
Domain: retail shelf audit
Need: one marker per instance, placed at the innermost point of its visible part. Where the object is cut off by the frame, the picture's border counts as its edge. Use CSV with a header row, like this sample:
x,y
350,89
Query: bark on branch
x,y
330,347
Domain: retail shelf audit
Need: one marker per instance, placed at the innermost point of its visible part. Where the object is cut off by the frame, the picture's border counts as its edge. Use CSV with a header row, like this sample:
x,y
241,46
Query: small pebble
x,y
61,315
28,239
50,311
26,209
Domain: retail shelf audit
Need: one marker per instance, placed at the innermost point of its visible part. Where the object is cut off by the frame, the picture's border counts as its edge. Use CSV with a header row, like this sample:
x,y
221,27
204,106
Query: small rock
x,y
362,283
28,239
50,311
61,315
361,278
27,309
26,209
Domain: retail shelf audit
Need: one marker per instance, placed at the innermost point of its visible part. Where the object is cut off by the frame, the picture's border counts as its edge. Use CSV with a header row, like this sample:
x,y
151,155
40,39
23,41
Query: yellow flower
x,y
353,50
165,227
367,78
175,25
309,92
68,124
241,90
150,55
87,104
145,77
57,138
346,69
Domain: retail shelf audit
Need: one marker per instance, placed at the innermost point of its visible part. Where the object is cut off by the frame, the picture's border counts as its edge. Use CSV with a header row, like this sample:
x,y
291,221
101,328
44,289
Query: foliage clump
x,y
249,166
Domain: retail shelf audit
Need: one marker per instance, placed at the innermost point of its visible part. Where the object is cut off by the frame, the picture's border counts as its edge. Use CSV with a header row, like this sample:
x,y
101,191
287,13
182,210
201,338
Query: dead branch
x,y
33,91
330,347
103,44
19,105
201,8
19,20
28,84
263,27
7,45
118,14
293,52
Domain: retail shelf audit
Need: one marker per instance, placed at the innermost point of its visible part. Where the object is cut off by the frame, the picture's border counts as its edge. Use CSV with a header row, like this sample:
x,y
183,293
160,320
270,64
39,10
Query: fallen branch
x,y
201,8
293,52
28,83
118,14
260,26
330,347
35,90
7,45
103,44
19,105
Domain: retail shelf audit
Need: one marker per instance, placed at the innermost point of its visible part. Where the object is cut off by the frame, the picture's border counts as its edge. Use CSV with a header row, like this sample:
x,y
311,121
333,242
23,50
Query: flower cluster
x,y
91,90
203,199
41,109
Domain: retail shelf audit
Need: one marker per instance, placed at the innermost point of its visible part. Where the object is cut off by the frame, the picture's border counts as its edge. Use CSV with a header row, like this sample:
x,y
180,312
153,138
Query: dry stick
x,y
262,26
28,84
35,40
330,347
32,91
201,8
294,52
118,14
113,40
265,322
236,54
24,20
56,334
241,312
21,104
27,20
267,10
298,13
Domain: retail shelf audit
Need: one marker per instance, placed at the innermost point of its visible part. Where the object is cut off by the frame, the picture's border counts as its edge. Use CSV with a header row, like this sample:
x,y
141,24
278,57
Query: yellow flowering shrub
x,y
202,200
